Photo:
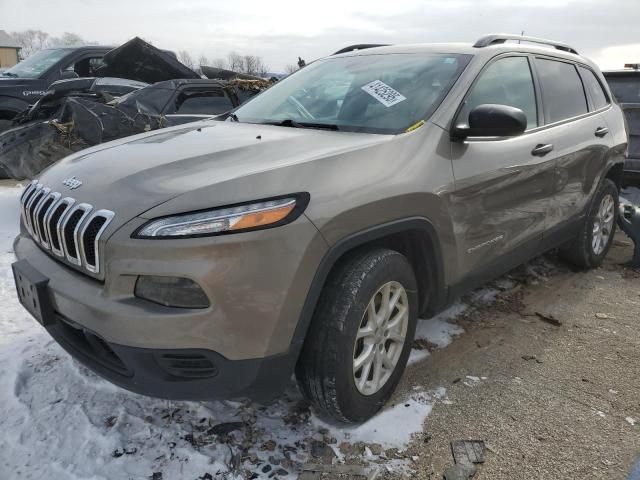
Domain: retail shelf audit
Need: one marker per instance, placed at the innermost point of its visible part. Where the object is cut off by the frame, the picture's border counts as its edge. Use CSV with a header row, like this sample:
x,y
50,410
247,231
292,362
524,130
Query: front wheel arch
x,y
414,237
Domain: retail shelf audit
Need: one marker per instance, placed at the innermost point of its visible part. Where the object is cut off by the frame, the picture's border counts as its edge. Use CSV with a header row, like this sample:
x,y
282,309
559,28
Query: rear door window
x,y
507,81
594,88
208,102
563,95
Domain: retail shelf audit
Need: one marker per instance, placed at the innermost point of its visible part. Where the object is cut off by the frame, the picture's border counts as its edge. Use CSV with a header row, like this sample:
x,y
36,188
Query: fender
x,y
362,237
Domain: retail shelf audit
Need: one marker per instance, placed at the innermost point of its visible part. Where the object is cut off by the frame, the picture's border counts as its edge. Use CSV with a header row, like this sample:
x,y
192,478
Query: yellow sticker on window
x,y
415,126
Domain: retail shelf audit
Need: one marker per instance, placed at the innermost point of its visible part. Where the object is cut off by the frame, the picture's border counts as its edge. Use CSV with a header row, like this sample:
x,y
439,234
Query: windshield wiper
x,y
9,74
288,122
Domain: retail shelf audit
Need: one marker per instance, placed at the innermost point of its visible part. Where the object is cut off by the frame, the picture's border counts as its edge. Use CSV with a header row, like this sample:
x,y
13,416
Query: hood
x,y
132,175
141,61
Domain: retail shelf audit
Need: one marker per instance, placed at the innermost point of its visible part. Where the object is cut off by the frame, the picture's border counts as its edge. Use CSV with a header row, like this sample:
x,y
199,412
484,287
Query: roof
x,y
7,41
627,72
468,49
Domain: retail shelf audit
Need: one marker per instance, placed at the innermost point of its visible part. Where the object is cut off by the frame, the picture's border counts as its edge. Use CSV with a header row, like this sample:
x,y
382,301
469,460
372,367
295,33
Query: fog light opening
x,y
174,292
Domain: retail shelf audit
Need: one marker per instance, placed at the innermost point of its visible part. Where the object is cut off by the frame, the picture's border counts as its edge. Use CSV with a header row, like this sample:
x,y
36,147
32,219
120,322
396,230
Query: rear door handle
x,y
601,131
541,149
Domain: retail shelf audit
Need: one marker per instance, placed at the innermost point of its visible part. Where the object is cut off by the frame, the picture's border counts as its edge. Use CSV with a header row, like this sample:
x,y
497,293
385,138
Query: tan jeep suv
x,y
310,228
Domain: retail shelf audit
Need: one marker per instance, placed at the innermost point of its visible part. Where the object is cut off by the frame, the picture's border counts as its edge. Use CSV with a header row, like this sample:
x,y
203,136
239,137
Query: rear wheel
x,y
360,337
592,244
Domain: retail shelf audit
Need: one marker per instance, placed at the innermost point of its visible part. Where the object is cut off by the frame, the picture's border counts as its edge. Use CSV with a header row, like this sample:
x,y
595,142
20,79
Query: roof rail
x,y
360,46
503,37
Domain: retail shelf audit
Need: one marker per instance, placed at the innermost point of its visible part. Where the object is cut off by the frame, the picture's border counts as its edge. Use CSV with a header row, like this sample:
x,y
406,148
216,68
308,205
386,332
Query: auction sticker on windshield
x,y
383,93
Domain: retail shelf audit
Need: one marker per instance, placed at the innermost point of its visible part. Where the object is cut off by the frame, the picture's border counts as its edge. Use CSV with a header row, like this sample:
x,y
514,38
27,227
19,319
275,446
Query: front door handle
x,y
601,131
541,150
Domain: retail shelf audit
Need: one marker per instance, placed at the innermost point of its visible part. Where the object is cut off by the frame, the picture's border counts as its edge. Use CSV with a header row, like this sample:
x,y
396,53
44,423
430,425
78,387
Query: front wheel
x,y
596,236
360,337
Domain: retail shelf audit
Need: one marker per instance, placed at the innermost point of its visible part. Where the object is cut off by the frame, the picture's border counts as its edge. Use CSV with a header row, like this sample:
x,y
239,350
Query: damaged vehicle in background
x,y
67,120
80,112
625,86
26,82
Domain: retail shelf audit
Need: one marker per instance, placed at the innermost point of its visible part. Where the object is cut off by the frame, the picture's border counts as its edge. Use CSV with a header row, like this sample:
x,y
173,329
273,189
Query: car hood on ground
x,y
132,175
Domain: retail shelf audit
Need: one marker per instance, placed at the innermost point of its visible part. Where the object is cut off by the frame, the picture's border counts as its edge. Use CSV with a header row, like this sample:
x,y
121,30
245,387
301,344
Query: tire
x,y
582,251
326,370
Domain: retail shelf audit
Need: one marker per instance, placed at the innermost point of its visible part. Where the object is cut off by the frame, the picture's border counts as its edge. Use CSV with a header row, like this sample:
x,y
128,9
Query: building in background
x,y
9,49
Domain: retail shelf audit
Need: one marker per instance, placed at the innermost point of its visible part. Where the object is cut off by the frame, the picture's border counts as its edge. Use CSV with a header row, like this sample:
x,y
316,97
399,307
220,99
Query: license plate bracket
x,y
33,292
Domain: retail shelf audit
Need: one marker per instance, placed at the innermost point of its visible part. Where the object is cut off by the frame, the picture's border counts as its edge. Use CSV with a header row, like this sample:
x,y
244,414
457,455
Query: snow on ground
x,y
61,421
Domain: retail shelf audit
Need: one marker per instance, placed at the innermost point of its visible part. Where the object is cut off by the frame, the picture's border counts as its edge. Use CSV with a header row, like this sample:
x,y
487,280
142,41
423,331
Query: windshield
x,y
625,89
366,93
36,64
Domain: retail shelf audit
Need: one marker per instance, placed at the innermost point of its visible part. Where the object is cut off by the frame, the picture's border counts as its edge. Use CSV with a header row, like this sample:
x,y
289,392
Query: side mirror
x,y
68,74
491,120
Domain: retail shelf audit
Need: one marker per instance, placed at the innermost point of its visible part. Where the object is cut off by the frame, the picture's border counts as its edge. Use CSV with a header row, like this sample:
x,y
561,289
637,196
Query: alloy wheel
x,y
381,337
603,224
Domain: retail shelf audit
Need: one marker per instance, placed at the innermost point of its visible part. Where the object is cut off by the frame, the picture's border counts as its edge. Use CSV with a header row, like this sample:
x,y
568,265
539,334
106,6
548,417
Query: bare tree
x,y
289,69
219,63
186,59
31,41
235,62
203,60
67,39
254,65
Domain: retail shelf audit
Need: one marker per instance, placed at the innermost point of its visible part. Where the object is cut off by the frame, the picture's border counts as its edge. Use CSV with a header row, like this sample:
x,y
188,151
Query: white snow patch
x,y
417,355
394,425
631,420
437,330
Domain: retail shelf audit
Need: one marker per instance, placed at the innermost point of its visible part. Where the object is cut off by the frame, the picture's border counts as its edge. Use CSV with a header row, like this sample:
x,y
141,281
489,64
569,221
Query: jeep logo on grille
x,y
72,183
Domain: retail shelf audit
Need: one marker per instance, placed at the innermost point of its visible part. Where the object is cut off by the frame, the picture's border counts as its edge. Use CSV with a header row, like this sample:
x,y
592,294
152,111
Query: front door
x,y
502,185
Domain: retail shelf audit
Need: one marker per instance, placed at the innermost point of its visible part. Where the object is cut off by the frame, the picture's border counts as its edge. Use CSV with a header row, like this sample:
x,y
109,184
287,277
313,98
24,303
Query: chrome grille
x,y
68,229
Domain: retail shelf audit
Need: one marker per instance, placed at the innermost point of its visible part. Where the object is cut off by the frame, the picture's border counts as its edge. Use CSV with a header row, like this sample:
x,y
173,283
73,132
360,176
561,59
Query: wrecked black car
x,y
67,120
26,82
29,80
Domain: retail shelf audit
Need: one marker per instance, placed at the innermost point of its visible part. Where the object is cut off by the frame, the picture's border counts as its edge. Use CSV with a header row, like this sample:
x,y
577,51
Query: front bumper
x,y
256,282
176,374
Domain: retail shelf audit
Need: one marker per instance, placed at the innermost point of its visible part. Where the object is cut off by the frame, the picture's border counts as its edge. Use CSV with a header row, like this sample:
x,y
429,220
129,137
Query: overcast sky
x,y
605,30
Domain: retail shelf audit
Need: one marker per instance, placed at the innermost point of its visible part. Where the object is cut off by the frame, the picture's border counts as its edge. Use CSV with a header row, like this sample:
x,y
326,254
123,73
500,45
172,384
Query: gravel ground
x,y
549,401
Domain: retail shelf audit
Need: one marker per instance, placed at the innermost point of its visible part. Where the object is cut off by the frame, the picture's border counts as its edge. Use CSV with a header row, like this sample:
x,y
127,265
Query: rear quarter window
x,y
563,95
594,88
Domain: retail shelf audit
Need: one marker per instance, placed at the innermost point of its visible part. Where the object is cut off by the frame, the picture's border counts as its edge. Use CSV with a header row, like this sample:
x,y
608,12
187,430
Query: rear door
x,y
575,126
502,187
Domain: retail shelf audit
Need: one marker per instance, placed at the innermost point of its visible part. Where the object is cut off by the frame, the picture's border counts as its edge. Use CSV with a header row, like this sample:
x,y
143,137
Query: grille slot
x,y
71,231
187,365
52,225
90,234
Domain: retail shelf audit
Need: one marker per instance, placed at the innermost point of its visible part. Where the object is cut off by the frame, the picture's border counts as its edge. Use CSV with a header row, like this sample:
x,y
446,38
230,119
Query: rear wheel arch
x,y
415,237
615,173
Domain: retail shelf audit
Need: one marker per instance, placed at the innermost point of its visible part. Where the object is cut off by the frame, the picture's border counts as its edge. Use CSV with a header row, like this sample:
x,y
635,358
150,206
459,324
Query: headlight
x,y
237,218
